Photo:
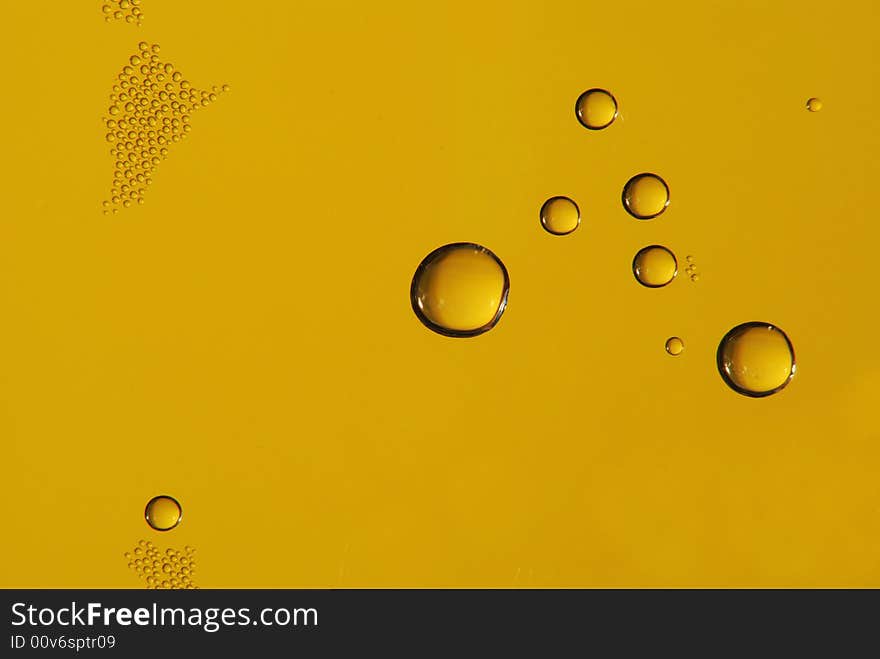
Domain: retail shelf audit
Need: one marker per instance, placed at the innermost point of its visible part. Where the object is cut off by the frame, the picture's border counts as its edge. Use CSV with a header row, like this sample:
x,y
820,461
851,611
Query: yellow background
x,y
245,343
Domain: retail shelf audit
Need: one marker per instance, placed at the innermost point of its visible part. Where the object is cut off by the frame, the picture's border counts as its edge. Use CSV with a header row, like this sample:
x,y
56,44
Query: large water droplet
x,y
560,216
596,109
460,290
645,196
756,359
163,513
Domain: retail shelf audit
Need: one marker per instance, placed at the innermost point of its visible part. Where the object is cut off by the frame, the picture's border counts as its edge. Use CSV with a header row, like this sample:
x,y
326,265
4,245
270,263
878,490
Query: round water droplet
x,y
460,290
756,359
645,196
695,277
690,259
814,104
654,266
560,216
674,346
596,109
163,513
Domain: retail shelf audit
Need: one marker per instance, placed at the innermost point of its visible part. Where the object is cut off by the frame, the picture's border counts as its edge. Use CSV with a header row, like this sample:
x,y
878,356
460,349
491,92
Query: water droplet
x,y
560,216
674,346
756,359
689,258
814,104
695,277
645,196
596,109
654,266
460,290
163,513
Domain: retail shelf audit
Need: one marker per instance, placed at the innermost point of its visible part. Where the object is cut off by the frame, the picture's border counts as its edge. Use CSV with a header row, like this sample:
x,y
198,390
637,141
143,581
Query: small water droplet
x,y
756,359
460,290
163,513
674,346
654,266
645,196
560,216
814,104
695,277
596,109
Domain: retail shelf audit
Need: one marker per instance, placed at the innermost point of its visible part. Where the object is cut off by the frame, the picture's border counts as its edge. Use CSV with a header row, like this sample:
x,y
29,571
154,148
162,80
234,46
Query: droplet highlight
x,y
654,266
560,216
674,346
596,109
460,290
756,359
163,513
645,196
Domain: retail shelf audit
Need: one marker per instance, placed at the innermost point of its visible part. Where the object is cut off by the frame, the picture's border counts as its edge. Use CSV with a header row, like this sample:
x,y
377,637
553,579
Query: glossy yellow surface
x,y
244,340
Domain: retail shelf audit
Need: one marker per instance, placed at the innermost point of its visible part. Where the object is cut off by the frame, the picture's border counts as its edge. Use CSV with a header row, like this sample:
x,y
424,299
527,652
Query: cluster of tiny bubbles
x,y
163,513
674,346
654,266
560,216
119,10
645,196
460,290
691,269
814,104
596,109
163,570
150,108
756,359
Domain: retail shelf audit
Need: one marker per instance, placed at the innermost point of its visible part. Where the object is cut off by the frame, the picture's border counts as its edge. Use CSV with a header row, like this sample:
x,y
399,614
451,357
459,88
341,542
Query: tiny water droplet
x,y
814,104
674,346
